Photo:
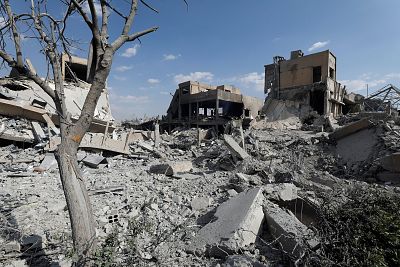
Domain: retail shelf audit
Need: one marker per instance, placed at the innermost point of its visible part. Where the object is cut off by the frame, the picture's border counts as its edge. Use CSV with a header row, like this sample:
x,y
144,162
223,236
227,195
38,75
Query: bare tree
x,y
50,33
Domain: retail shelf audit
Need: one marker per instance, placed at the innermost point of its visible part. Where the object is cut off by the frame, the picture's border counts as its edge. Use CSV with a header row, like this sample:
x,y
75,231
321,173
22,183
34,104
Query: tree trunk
x,y
77,198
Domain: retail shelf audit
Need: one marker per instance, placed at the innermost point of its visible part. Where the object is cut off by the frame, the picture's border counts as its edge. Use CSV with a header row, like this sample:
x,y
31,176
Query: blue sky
x,y
229,42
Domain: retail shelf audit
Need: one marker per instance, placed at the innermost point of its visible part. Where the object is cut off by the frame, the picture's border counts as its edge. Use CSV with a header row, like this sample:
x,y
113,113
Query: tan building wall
x,y
299,71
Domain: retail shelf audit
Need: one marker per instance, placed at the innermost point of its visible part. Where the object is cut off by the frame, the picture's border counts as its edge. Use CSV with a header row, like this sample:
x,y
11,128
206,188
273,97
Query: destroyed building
x,y
309,80
250,197
197,104
22,97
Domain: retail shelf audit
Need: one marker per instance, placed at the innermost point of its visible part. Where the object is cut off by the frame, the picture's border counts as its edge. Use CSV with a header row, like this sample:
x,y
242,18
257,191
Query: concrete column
x,y
197,111
156,134
190,114
216,108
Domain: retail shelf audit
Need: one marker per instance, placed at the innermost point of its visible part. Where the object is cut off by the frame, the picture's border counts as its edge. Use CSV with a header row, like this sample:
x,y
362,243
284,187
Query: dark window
x,y
247,113
332,73
317,74
185,90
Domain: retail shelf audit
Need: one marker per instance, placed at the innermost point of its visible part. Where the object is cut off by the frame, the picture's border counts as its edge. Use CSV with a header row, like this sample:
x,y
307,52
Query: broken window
x,y
317,73
201,111
247,113
16,86
332,73
75,69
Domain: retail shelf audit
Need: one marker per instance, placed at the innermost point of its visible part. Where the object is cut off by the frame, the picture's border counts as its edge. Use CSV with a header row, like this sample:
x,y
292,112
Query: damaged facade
x,y
309,80
197,104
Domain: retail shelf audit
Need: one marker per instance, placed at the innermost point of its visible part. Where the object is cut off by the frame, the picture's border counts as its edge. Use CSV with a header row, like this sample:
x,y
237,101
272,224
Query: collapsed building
x,y
22,97
202,105
308,80
246,198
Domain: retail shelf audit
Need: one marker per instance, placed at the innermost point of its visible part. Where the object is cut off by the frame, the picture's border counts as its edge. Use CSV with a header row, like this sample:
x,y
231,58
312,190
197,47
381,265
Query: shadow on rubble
x,y
22,145
20,247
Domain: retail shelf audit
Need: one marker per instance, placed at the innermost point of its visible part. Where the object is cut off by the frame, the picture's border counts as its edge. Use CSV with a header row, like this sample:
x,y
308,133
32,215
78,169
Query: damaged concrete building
x,y
309,80
197,104
22,97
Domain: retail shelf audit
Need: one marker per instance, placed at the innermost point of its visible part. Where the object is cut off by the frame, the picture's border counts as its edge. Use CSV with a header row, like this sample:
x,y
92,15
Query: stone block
x,y
236,224
49,162
287,229
172,168
234,147
391,162
93,160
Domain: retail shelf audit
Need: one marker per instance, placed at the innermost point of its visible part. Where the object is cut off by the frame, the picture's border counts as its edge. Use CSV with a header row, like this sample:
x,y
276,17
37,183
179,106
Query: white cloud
x,y
393,75
131,51
119,78
124,68
318,45
361,84
134,99
153,81
194,76
171,57
252,79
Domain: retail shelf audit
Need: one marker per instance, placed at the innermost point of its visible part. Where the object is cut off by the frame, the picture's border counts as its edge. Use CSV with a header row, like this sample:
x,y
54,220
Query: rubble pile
x,y
189,197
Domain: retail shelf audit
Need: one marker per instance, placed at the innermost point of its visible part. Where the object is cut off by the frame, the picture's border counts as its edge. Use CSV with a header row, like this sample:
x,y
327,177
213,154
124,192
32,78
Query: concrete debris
x,y
93,160
234,185
234,147
172,168
200,203
241,261
291,235
284,191
351,129
49,162
391,162
236,225
38,131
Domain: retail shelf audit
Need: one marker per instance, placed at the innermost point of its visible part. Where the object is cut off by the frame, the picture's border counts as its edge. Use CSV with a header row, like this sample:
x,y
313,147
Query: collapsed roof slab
x,y
12,108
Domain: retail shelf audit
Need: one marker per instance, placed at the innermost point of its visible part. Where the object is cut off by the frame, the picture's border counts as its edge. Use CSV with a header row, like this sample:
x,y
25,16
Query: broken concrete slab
x,y
236,225
49,162
235,148
172,168
357,147
391,162
292,235
351,128
38,131
93,160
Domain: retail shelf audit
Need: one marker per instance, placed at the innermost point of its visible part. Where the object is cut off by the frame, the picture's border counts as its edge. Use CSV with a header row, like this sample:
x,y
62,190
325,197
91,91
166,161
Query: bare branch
x,y
82,13
115,10
131,16
150,7
16,37
122,39
135,36
104,23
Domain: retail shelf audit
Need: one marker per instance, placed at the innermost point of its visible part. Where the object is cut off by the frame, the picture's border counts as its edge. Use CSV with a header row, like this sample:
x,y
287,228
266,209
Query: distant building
x,y
197,104
307,79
